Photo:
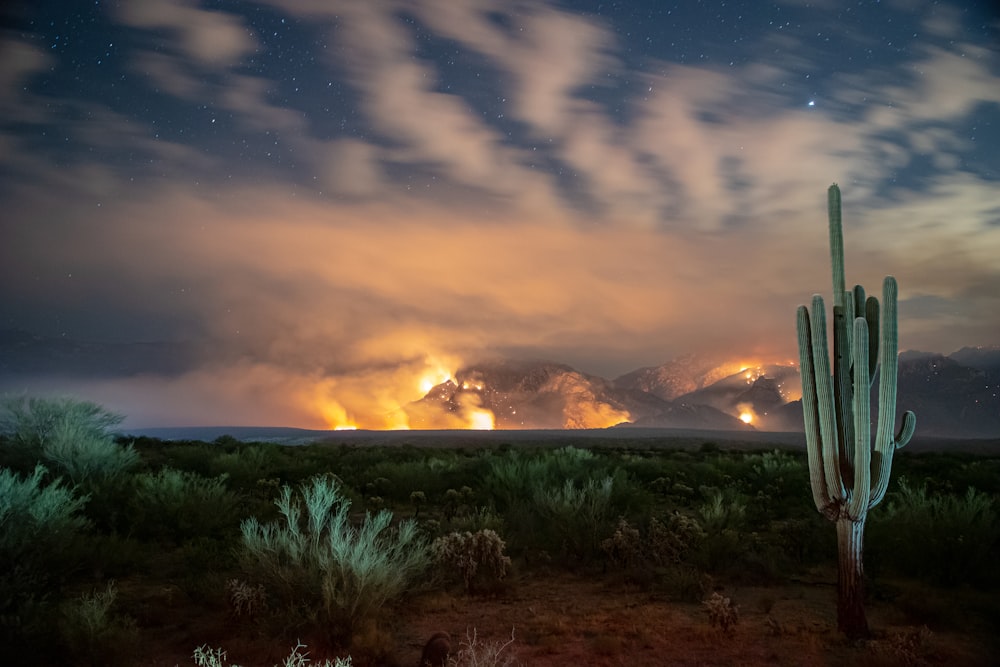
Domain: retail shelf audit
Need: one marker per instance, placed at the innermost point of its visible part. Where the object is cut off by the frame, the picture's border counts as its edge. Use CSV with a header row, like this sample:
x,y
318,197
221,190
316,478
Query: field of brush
x,y
537,548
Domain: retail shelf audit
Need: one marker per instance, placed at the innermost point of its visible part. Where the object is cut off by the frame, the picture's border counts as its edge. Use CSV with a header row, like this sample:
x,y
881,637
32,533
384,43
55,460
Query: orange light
x,y
481,420
746,417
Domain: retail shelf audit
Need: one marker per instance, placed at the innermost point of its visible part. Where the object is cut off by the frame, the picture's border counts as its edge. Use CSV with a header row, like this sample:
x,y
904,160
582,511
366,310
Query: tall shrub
x,y
74,436
959,535
315,563
39,525
175,505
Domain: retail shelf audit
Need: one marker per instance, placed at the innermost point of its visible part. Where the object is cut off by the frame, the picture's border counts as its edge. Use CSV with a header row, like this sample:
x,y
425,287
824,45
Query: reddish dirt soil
x,y
563,619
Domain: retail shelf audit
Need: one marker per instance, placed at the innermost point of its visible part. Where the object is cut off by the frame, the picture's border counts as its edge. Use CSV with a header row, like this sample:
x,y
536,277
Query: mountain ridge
x,y
955,395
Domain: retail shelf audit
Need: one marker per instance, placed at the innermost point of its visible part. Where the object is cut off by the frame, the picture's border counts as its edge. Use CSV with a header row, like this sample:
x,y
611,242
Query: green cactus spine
x,y
847,472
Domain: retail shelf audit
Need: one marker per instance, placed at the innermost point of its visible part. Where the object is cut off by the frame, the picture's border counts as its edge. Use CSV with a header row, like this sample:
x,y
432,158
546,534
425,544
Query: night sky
x,y
334,200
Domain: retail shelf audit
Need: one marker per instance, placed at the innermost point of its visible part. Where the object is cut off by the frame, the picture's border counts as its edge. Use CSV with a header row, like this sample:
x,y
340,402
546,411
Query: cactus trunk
x,y
851,618
848,473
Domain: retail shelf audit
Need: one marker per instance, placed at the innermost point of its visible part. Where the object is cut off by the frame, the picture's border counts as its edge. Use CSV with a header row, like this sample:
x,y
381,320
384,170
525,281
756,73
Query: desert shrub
x,y
722,613
246,600
40,530
471,553
625,547
474,652
563,500
576,515
663,543
432,474
944,538
73,436
315,564
246,464
903,647
515,476
30,421
174,505
85,457
206,656
777,478
722,511
93,634
476,519
726,542
671,541
685,583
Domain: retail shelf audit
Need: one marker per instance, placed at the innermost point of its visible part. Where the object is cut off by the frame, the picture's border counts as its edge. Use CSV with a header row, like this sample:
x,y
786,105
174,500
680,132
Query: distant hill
x,y
949,398
953,396
984,358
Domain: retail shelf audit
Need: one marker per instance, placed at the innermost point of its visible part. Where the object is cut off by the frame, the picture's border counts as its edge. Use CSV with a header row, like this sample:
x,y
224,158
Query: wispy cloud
x,y
602,209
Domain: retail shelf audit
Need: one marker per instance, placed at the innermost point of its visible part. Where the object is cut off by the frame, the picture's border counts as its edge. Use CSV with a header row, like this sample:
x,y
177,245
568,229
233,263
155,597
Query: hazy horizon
x,y
337,202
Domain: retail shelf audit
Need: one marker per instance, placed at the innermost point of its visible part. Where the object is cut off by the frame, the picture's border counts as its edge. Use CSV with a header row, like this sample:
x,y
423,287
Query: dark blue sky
x,y
348,195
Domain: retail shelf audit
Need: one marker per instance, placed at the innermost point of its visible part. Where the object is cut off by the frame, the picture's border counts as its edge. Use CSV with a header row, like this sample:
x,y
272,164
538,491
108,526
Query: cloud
x,y
213,39
687,215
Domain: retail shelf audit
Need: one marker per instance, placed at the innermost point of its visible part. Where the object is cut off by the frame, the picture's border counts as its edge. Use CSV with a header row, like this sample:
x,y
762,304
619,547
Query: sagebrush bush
x,y
40,527
93,633
723,511
470,553
314,561
474,652
206,656
246,600
73,436
578,515
958,535
175,505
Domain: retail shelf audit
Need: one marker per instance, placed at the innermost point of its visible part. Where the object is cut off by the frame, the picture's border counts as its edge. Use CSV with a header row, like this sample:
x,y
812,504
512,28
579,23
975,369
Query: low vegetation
x,y
331,546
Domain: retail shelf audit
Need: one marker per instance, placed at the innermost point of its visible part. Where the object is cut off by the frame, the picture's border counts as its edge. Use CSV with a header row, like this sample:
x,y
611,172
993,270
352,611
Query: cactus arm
x,y
906,429
872,315
842,387
810,412
836,244
889,363
826,408
885,443
857,506
843,303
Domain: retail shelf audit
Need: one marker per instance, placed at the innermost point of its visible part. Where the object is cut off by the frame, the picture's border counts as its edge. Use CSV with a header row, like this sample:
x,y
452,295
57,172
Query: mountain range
x,y
953,396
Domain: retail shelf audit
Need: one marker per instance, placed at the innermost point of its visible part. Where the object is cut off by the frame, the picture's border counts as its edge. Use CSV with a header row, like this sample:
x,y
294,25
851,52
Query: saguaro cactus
x,y
849,473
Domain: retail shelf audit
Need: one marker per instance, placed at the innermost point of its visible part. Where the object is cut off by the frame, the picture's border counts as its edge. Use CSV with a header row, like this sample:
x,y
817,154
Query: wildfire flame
x,y
391,399
433,378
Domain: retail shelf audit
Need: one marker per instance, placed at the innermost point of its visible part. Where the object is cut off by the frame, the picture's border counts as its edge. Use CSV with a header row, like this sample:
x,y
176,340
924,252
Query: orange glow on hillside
x,y
393,399
482,420
433,377
746,413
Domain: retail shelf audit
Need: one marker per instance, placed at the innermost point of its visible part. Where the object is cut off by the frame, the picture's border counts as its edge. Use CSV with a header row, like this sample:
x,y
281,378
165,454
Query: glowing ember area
x,y
746,413
433,378
394,399
481,420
